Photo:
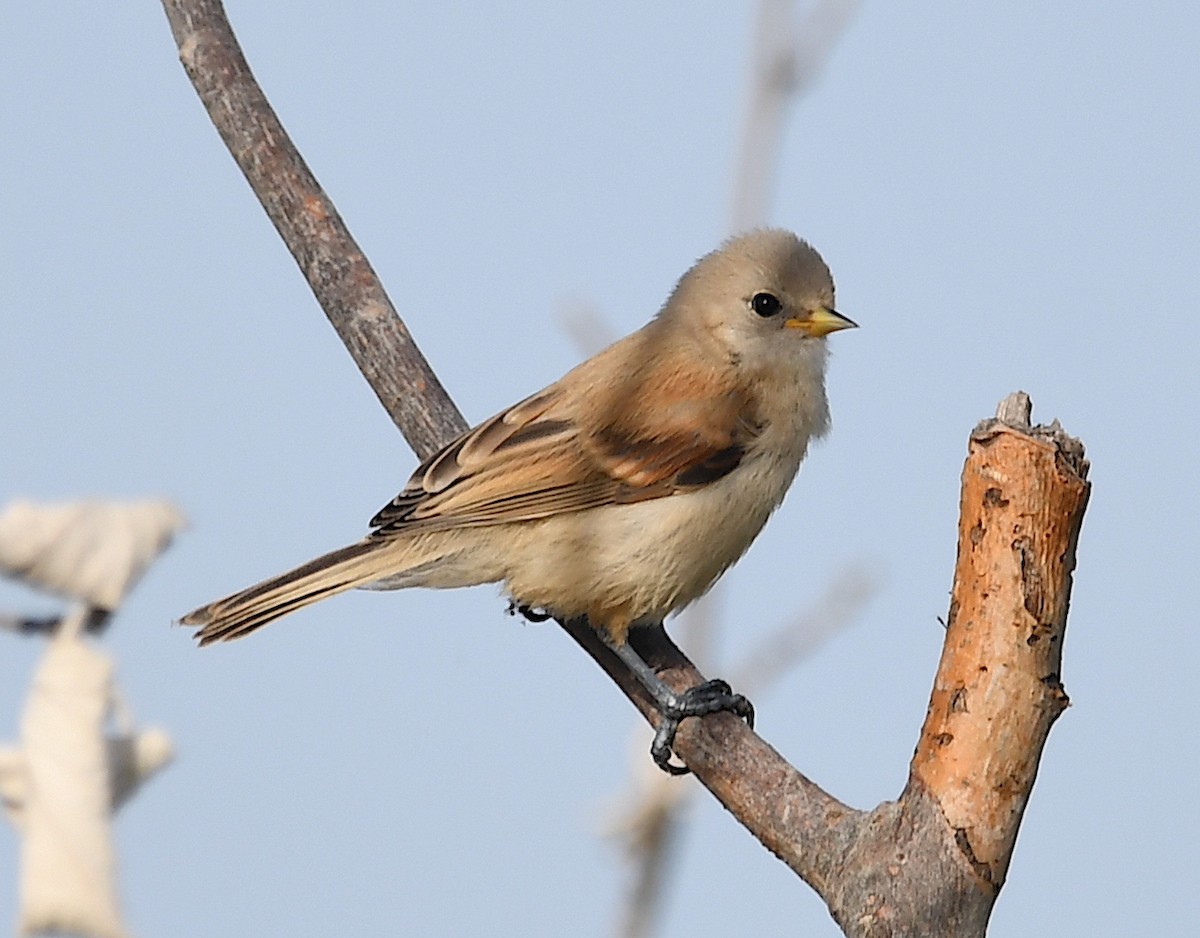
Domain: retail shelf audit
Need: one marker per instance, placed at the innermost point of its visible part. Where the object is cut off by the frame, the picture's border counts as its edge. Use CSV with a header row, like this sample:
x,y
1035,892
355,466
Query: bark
x,y
930,863
998,688
335,267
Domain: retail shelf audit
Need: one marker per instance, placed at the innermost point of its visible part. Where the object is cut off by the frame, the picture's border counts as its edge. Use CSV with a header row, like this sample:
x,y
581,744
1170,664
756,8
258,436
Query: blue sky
x,y
1008,197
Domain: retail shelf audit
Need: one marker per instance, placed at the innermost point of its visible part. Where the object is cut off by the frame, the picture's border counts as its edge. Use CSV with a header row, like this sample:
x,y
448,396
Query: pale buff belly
x,y
622,565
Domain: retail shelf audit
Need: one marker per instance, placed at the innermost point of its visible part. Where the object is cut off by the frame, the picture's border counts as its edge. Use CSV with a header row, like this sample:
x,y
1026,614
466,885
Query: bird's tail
x,y
242,613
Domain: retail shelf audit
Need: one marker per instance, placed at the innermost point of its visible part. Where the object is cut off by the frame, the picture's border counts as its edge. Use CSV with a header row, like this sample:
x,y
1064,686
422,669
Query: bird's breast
x,y
643,561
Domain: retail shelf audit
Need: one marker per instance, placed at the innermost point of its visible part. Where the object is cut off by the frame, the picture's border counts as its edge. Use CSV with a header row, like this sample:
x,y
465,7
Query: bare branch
x,y
934,861
350,293
998,688
336,269
793,817
926,864
650,820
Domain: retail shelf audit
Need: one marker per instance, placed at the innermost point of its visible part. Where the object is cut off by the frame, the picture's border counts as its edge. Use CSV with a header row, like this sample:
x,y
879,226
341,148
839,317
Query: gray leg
x,y
709,697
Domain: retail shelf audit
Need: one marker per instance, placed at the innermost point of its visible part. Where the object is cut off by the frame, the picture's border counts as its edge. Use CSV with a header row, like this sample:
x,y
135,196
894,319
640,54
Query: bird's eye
x,y
765,304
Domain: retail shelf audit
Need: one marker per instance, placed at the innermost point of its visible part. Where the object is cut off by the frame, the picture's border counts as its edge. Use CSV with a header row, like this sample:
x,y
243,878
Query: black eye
x,y
765,304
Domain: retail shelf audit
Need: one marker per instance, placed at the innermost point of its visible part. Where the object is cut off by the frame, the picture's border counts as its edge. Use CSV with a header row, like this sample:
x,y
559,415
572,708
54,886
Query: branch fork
x,y
931,862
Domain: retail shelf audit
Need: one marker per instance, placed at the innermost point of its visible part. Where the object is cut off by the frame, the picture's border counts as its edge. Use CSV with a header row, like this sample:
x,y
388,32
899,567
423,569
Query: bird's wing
x,y
650,437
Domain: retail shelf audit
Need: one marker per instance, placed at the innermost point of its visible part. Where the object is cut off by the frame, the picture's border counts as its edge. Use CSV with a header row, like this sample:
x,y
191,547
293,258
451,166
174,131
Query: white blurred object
x,y
68,867
133,758
61,786
94,551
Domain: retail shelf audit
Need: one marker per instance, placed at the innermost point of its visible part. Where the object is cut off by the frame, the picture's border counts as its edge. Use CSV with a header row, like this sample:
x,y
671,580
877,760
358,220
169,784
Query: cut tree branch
x,y
998,687
931,862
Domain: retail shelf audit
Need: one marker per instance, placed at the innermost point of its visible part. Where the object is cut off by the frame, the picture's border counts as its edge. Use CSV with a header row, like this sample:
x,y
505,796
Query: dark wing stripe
x,y
717,466
526,506
530,462
445,468
535,431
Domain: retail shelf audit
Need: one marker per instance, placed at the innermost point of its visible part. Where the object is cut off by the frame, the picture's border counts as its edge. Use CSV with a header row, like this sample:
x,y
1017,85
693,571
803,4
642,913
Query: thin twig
x,y
29,625
785,59
843,599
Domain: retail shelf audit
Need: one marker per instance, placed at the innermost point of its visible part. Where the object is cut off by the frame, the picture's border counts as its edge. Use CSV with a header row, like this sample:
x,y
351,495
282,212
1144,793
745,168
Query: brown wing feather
x,y
674,425
660,431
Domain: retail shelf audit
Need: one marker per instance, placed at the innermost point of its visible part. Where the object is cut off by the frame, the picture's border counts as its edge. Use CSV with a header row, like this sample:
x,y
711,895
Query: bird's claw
x,y
701,700
529,613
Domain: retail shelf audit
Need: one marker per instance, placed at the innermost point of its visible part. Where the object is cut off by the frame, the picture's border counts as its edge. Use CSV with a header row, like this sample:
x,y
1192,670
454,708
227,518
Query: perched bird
x,y
625,489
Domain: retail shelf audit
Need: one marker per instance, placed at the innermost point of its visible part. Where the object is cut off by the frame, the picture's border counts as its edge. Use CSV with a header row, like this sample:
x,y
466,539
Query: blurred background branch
x,y
649,821
787,52
81,755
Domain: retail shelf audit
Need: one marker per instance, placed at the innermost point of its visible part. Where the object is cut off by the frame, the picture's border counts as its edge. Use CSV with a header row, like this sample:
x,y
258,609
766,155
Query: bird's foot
x,y
529,613
701,700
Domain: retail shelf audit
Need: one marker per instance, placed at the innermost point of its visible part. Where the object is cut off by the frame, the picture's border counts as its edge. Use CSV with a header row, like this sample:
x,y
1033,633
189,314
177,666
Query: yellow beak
x,y
820,321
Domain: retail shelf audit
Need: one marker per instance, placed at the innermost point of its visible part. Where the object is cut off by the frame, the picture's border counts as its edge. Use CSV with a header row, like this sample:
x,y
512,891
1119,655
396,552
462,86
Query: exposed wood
x,y
998,688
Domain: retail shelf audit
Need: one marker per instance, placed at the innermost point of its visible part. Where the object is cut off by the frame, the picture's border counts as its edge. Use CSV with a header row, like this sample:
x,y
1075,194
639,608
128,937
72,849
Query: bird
x,y
621,492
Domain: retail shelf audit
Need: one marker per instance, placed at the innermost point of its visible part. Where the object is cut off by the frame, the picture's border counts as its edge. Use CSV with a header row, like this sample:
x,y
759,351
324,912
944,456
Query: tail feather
x,y
248,610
